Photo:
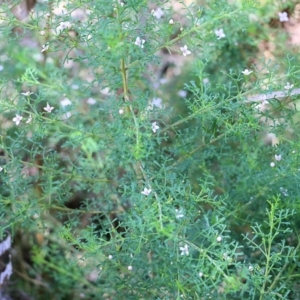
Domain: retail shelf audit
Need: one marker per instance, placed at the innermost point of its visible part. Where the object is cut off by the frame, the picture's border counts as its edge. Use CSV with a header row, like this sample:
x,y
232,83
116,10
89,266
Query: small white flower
x,y
185,50
17,119
146,191
121,3
106,91
35,216
154,127
288,86
62,26
65,102
272,164
171,22
184,250
129,268
278,157
1,169
220,33
29,119
247,72
283,16
157,13
28,93
200,274
205,80
121,111
91,101
157,102
283,191
42,32
110,256
179,213
45,48
182,93
48,108
219,239
139,42
250,268
163,81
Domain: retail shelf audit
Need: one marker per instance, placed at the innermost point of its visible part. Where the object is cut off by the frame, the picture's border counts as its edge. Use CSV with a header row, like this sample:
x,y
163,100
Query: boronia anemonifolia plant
x,y
149,149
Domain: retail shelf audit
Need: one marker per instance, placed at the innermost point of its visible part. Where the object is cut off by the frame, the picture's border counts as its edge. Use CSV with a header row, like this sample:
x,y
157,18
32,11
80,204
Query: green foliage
x,y
139,158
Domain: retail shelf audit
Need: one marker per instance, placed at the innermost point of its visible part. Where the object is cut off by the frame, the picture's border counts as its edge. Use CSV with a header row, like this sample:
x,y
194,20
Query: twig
x,y
276,94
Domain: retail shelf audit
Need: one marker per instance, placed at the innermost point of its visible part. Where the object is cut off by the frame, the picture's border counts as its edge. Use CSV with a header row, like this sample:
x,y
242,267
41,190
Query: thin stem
x,y
155,195
267,248
198,148
124,73
98,212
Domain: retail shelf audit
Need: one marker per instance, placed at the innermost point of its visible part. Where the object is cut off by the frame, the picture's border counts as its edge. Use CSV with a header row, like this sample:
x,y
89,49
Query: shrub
x,y
150,150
